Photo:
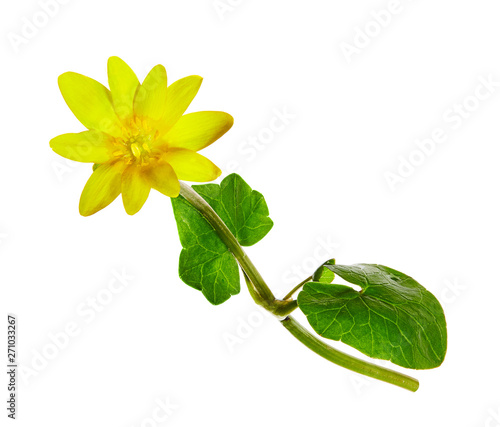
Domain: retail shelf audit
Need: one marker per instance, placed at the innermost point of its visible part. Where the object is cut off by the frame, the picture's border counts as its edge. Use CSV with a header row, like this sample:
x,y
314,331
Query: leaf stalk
x,y
347,361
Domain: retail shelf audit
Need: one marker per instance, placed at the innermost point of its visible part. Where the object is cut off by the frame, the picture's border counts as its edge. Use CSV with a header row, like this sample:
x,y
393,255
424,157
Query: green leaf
x,y
324,274
392,317
205,262
242,209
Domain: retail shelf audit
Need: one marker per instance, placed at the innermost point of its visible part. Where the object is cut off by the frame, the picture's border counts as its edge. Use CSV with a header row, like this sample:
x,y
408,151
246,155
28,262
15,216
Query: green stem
x,y
263,296
290,294
259,289
347,361
279,307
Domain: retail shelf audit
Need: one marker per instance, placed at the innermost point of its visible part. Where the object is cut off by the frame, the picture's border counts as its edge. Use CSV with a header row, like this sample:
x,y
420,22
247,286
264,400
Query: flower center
x,y
140,148
136,144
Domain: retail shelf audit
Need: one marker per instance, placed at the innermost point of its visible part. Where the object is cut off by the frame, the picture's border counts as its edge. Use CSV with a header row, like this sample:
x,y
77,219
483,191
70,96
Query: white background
x,y
324,176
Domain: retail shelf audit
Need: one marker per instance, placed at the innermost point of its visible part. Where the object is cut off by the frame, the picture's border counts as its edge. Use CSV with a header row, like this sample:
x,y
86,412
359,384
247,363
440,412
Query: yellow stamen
x,y
136,151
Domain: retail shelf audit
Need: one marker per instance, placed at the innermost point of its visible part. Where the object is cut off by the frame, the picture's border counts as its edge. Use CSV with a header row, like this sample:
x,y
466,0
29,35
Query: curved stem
x,y
279,308
347,361
290,294
259,289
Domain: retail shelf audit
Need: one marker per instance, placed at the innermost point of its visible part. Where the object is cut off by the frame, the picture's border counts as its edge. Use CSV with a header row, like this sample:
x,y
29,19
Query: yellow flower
x,y
137,137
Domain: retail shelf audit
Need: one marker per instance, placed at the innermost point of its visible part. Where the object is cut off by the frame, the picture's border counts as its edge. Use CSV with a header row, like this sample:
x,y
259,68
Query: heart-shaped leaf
x,y
392,317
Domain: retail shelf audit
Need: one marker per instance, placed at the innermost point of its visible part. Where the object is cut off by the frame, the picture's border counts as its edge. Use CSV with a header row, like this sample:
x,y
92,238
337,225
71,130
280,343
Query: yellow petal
x,y
151,98
103,186
90,146
162,177
135,189
123,84
179,96
197,130
90,102
191,166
